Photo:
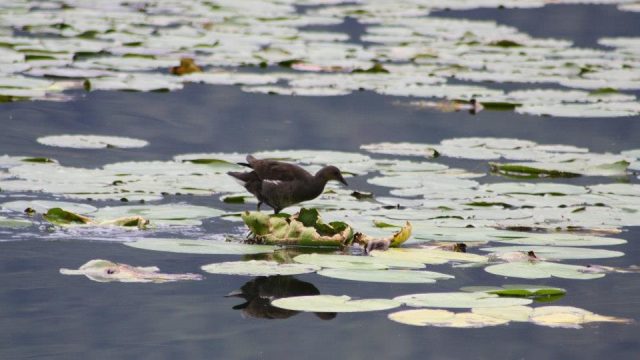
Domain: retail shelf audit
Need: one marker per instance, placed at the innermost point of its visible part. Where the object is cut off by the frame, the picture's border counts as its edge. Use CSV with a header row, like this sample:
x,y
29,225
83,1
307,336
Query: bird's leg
x,y
259,203
276,211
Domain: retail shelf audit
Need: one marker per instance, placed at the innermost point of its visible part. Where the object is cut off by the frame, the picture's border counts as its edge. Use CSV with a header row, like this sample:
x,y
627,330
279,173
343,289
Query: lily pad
x,y
558,252
169,214
42,206
331,303
460,300
91,141
107,271
355,262
569,317
513,290
13,223
184,246
258,268
542,270
385,276
445,318
428,256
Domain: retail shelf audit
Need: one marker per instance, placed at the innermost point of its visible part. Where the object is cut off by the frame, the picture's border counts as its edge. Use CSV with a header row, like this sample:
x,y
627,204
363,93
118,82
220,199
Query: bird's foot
x,y
378,244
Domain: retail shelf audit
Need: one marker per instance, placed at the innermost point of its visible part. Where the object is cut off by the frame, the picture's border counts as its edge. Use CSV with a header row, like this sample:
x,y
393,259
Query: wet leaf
x,y
107,271
355,262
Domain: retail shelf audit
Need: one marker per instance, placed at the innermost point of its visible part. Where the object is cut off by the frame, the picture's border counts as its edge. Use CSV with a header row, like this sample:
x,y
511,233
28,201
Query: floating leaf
x,y
42,206
107,271
258,268
13,223
386,276
459,300
427,256
91,141
169,214
557,252
355,262
185,246
331,303
529,291
59,216
569,317
445,318
542,270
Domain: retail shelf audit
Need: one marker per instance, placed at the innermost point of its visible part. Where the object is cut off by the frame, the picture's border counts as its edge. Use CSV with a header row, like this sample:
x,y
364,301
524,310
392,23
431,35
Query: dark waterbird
x,y
279,184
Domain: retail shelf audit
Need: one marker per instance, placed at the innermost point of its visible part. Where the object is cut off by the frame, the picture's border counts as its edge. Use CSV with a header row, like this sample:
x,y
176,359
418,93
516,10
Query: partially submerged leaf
x,y
331,303
428,256
59,216
569,317
107,271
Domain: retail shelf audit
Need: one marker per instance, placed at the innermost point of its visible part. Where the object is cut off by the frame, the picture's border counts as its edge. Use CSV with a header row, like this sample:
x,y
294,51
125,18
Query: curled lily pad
x,y
332,303
445,318
302,229
63,217
169,214
542,270
386,276
569,317
185,246
107,271
91,141
258,268
460,300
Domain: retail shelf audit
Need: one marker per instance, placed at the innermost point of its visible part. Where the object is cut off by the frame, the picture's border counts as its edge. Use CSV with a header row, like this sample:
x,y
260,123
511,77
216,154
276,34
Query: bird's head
x,y
331,173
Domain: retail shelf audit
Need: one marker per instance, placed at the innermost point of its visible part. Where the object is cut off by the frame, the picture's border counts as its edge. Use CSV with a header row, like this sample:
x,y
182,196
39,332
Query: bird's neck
x,y
319,183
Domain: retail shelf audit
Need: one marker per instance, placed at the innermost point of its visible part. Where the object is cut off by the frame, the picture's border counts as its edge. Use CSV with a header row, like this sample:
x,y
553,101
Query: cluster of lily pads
x,y
526,228
267,46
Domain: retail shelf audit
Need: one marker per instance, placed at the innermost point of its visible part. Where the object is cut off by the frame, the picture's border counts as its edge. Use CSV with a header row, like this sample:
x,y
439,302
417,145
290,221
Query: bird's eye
x,y
111,271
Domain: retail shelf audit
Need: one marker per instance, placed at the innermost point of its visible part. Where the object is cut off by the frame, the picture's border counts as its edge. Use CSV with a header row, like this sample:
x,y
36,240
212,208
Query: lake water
x,y
46,315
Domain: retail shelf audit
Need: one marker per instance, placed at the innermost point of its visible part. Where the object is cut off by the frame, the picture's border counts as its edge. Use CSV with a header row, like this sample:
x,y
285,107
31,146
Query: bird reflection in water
x,y
259,292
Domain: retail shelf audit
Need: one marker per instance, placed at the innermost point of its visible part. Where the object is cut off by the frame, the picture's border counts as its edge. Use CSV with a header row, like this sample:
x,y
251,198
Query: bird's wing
x,y
276,170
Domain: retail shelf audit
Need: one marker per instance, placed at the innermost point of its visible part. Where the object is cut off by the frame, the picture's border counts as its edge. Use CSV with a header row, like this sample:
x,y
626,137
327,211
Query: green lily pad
x,y
258,268
184,246
460,300
59,216
385,276
528,291
331,303
542,270
291,230
91,141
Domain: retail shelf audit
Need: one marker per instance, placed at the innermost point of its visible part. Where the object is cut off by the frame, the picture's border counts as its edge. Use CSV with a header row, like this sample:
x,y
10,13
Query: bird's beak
x,y
342,180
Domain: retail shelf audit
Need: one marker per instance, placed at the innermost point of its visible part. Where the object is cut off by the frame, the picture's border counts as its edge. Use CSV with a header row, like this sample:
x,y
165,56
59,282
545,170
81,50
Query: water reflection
x,y
259,292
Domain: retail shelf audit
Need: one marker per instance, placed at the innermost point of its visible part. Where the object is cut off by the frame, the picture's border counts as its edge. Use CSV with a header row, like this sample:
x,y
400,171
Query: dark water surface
x,y
44,315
